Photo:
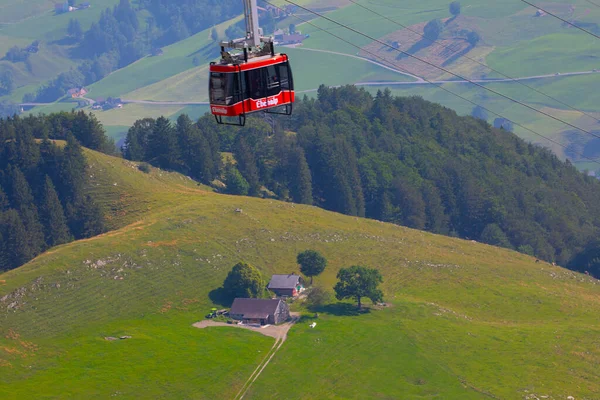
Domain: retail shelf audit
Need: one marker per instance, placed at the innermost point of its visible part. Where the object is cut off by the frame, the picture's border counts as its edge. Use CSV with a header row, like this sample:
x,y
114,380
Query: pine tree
x,y
136,142
16,244
236,184
19,191
246,164
72,172
4,203
163,150
300,181
195,153
53,217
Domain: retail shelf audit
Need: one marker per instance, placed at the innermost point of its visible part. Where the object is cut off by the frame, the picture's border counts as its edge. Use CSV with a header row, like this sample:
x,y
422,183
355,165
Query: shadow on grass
x,y
220,297
340,309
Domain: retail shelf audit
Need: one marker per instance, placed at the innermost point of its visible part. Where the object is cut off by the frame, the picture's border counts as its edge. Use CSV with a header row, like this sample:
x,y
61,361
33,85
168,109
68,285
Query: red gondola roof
x,y
251,64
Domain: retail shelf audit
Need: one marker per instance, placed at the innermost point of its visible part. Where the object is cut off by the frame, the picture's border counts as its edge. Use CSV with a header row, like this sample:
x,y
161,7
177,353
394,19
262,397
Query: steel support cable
x,y
446,70
439,86
478,62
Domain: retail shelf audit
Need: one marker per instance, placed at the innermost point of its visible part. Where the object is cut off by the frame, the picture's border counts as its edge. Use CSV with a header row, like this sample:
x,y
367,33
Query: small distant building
x,y
540,13
77,92
157,51
286,285
259,311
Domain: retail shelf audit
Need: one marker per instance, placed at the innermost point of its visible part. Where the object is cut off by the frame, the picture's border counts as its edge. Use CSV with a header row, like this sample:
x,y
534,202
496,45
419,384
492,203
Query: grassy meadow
x,y
465,320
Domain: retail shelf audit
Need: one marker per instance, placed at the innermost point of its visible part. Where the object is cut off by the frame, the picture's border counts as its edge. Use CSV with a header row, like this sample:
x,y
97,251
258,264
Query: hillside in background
x,y
394,159
466,320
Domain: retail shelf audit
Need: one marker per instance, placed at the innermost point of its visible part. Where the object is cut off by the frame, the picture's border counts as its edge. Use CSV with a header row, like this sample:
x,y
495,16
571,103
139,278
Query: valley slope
x,y
466,320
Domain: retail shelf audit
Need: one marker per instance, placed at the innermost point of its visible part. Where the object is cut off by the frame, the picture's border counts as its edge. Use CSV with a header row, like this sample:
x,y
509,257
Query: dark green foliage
x,y
503,123
15,245
473,38
588,261
214,35
244,281
42,187
357,282
177,20
235,182
246,164
455,8
292,28
52,216
184,148
163,150
74,29
493,234
196,154
312,263
433,29
16,54
136,141
300,181
480,113
411,162
144,167
318,296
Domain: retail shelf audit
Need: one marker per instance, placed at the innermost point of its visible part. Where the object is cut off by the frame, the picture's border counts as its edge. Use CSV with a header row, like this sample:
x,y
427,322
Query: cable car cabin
x,y
259,84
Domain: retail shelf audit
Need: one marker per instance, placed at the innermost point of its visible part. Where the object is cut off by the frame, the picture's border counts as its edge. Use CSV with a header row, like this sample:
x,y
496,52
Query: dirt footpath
x,y
274,331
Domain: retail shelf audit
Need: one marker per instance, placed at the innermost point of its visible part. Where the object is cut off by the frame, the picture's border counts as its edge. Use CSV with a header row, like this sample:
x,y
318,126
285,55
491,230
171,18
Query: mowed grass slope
x,y
466,320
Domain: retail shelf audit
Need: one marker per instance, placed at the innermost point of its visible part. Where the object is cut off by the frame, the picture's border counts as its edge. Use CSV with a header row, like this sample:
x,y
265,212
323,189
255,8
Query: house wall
x,y
282,313
284,292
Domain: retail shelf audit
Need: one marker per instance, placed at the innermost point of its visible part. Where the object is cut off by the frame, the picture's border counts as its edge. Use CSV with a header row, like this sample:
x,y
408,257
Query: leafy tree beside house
x,y
455,8
357,282
312,263
244,281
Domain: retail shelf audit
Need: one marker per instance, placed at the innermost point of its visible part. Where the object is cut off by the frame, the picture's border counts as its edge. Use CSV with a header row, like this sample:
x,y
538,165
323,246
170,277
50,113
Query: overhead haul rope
x,y
425,79
446,70
476,61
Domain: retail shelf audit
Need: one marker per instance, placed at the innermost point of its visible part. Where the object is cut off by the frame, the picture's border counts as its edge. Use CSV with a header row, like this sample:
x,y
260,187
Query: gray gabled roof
x,y
287,281
254,307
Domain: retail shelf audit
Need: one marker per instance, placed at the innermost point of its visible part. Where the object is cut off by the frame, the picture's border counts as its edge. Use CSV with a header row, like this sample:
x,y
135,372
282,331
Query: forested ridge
x,y
43,202
400,160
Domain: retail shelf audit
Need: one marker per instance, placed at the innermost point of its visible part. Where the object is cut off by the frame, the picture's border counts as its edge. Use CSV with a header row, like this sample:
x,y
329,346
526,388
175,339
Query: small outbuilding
x,y
259,311
286,285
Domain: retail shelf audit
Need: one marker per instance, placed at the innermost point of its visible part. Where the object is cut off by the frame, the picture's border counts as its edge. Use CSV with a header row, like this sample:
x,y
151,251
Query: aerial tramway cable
x,y
446,70
437,42
562,19
439,86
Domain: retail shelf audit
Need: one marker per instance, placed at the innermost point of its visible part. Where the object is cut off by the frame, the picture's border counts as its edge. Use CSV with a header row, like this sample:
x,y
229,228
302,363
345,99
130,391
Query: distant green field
x,y
466,320
43,24
564,52
176,59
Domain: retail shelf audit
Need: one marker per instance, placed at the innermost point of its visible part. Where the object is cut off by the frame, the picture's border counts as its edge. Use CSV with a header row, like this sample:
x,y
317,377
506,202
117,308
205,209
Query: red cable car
x,y
255,80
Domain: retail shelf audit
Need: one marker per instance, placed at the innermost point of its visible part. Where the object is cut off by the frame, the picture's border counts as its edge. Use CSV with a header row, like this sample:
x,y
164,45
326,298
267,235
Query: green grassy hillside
x,y
465,320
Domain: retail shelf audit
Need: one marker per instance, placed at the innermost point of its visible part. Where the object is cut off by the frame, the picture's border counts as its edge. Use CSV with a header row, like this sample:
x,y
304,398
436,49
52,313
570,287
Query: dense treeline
x,y
405,161
42,186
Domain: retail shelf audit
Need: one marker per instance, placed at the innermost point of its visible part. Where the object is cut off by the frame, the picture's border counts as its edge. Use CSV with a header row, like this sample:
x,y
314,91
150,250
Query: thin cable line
x,y
478,62
441,87
562,19
591,2
448,71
